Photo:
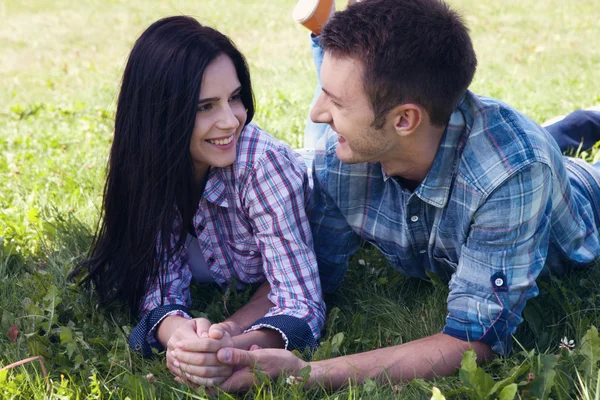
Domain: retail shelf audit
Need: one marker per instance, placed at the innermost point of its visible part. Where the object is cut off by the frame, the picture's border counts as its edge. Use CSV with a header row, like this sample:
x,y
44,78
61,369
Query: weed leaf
x,y
545,376
590,349
509,392
473,377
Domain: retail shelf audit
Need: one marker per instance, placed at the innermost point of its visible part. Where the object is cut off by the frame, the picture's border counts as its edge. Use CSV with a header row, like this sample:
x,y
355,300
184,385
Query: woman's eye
x,y
236,97
204,107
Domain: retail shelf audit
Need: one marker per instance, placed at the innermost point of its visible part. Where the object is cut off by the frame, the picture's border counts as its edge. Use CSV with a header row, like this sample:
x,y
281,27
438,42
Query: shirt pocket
x,y
247,260
404,266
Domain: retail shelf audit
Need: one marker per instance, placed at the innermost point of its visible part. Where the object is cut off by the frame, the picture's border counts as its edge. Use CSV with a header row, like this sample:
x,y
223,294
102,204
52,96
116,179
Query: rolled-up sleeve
x,y
168,295
275,200
501,259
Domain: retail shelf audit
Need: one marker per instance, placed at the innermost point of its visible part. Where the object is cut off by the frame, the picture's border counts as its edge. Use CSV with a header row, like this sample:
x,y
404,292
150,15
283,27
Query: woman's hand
x,y
230,327
191,352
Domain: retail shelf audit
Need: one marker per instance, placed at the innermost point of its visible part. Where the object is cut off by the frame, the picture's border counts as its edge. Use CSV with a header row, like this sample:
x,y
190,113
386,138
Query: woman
x,y
196,191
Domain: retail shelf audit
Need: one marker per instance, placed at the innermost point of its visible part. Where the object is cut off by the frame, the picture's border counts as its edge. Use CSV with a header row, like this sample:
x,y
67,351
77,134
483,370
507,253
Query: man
x,y
441,181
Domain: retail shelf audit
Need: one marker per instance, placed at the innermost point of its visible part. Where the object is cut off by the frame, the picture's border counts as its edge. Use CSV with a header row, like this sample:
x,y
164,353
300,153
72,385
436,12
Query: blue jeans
x,y
580,128
314,131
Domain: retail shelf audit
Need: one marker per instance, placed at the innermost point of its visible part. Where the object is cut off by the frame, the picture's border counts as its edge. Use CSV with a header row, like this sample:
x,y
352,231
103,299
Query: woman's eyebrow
x,y
209,99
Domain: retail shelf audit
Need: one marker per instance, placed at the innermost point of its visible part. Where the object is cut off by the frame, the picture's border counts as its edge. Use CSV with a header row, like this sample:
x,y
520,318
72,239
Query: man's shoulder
x,y
500,141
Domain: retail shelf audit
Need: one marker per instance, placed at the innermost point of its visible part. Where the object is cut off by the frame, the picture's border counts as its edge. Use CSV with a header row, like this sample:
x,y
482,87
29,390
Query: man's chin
x,y
345,155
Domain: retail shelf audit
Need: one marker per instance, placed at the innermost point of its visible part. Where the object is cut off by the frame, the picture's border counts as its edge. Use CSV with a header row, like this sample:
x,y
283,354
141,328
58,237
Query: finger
x,y
223,371
233,356
181,358
202,325
241,380
204,345
205,381
216,331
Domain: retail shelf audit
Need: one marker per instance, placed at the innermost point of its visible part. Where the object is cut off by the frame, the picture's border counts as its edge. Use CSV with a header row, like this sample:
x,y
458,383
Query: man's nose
x,y
320,111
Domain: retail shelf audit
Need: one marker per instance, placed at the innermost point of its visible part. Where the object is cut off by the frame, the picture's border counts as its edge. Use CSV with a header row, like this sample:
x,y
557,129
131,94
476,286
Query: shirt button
x,y
422,251
414,218
499,282
252,252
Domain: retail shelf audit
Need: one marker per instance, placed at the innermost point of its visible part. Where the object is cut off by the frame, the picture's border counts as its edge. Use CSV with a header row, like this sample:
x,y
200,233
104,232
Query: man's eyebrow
x,y
209,99
334,97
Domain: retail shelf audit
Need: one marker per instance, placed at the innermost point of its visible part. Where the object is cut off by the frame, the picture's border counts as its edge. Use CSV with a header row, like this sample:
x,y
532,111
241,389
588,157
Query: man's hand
x,y
270,362
191,352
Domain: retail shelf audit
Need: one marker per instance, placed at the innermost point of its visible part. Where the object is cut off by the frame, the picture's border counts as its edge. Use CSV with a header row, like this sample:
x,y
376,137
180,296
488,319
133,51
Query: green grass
x,y
60,66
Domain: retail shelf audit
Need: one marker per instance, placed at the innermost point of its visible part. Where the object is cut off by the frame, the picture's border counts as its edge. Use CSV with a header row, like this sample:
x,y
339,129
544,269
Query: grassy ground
x,y
60,65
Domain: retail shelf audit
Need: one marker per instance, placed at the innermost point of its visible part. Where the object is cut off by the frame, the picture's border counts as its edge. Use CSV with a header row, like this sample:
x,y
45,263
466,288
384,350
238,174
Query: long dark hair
x,y
150,171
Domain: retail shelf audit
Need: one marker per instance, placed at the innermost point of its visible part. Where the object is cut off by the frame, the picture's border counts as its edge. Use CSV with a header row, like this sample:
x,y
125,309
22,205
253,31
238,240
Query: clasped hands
x,y
192,351
194,358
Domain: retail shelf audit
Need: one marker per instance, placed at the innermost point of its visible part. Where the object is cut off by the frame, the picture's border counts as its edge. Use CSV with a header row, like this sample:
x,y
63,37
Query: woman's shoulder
x,y
256,146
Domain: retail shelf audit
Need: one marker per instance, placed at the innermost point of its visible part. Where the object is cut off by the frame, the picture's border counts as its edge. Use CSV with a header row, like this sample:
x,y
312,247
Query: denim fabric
x,y
580,128
314,131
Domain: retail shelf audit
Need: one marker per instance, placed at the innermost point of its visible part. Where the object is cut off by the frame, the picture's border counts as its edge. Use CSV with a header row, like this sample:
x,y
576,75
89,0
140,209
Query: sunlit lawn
x,y
60,67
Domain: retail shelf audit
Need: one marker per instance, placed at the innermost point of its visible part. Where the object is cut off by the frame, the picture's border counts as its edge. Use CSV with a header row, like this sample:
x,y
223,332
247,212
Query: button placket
x,y
210,255
417,228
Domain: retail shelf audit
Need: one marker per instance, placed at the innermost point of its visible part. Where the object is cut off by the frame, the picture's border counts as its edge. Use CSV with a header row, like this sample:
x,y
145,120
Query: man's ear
x,y
407,118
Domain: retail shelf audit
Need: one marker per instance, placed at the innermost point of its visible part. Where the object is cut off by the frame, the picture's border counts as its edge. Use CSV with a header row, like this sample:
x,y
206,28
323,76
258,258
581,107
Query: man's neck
x,y
417,154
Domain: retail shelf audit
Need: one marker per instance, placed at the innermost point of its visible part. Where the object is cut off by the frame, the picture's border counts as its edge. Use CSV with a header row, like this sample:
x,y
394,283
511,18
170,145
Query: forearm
x,y
255,309
265,338
437,355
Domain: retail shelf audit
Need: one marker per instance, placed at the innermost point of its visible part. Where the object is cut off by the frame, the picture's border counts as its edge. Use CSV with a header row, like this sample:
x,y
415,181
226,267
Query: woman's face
x,y
220,118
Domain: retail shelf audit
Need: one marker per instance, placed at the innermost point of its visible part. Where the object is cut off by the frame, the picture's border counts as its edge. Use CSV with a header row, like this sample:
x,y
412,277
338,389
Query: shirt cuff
x,y
497,336
143,337
295,332
499,332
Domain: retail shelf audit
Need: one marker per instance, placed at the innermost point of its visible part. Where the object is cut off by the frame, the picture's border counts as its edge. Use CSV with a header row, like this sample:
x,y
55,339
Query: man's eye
x,y
204,107
338,105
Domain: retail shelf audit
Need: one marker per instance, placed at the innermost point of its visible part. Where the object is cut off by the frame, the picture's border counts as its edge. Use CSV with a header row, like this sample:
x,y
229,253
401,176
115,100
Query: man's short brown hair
x,y
413,51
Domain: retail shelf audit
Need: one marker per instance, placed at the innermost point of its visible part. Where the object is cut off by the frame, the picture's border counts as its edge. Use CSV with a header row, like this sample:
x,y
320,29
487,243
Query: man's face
x,y
344,105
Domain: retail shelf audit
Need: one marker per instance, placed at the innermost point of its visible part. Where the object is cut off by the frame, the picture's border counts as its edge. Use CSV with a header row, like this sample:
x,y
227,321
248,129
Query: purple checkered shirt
x,y
251,226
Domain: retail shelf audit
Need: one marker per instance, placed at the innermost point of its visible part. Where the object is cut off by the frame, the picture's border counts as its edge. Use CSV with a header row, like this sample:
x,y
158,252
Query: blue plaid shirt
x,y
499,206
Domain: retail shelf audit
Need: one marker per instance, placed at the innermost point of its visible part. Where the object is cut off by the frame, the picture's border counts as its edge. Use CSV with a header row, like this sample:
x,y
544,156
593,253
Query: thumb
x,y
237,357
216,331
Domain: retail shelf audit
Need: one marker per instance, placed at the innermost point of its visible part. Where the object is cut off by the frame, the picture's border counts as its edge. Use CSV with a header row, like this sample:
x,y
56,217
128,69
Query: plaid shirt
x,y
251,225
499,205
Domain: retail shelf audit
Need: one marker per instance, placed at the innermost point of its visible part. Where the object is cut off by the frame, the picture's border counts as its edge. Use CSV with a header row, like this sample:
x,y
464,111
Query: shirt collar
x,y
215,191
435,188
